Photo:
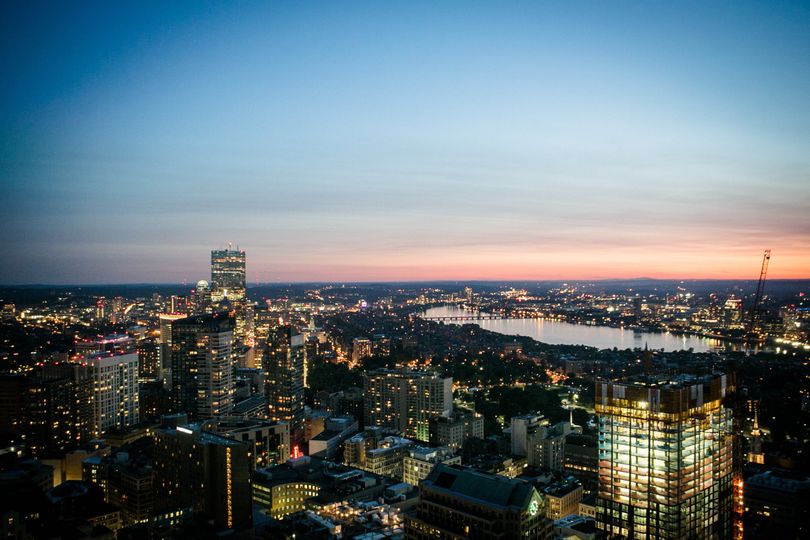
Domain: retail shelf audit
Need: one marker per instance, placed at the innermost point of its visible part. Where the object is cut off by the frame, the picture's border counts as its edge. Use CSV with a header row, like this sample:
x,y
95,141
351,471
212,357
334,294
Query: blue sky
x,y
374,141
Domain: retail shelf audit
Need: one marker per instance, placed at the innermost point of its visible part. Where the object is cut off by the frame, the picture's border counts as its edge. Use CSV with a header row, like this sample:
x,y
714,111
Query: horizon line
x,y
411,281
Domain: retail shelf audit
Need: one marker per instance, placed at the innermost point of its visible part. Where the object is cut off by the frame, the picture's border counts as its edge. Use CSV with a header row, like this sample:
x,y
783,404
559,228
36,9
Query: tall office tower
x,y
406,400
456,503
204,471
165,350
665,457
228,282
202,365
283,365
115,389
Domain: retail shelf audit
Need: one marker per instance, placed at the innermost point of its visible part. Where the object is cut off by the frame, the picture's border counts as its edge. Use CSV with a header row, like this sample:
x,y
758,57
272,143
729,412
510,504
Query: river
x,y
564,333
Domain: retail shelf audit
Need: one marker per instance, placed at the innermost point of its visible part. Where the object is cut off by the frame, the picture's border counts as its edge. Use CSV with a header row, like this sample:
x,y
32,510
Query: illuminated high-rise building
x,y
665,457
229,286
283,365
361,348
406,400
115,389
165,348
202,365
205,472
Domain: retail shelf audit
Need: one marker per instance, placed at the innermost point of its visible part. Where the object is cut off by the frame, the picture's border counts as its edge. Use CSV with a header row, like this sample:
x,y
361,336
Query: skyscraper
x,y
406,400
202,365
665,457
228,282
283,365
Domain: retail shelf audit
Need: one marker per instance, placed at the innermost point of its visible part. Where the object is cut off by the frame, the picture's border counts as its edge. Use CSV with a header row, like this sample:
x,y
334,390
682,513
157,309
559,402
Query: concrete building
x,y
327,443
458,503
406,400
562,498
386,459
521,427
420,461
456,428
115,390
546,446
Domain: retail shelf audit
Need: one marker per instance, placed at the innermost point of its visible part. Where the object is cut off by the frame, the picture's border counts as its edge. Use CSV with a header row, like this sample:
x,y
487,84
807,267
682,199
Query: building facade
x,y
115,390
202,365
458,503
283,365
453,430
665,457
406,400
228,282
206,472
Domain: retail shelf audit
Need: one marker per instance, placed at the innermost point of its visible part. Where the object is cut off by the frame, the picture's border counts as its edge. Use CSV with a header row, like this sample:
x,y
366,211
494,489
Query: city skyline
x,y
409,142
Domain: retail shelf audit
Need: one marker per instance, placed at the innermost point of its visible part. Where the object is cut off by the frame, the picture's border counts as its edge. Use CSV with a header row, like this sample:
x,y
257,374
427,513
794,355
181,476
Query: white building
x,y
115,390
421,460
522,427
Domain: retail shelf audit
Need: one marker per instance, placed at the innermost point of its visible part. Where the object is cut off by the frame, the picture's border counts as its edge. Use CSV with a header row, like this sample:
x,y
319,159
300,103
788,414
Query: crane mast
x,y
753,318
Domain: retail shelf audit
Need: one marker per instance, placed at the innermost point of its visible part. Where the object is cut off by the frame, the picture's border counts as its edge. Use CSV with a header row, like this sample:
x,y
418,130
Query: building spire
x,y
647,359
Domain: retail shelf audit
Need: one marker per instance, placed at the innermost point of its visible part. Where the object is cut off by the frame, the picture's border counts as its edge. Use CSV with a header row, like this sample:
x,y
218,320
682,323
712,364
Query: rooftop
x,y
483,487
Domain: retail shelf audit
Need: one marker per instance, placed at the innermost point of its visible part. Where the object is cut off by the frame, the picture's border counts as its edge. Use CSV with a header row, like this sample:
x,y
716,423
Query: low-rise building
x,y
420,461
454,429
457,502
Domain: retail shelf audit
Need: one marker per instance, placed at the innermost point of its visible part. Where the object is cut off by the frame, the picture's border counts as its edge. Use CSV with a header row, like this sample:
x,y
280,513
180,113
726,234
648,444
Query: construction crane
x,y
753,318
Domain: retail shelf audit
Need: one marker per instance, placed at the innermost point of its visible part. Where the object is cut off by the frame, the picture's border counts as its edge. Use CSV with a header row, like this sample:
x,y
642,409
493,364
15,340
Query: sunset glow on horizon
x,y
405,142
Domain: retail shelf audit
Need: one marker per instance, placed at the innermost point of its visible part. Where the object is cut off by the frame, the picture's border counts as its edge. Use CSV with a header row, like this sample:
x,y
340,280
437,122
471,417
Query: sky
x,y
374,141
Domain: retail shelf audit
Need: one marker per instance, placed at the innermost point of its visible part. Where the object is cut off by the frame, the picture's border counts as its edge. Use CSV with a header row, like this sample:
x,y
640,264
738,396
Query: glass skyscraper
x,y
665,457
228,282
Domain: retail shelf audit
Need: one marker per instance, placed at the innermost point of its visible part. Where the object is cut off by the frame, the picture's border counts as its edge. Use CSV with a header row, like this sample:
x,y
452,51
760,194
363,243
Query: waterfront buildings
x,y
406,400
202,365
665,457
